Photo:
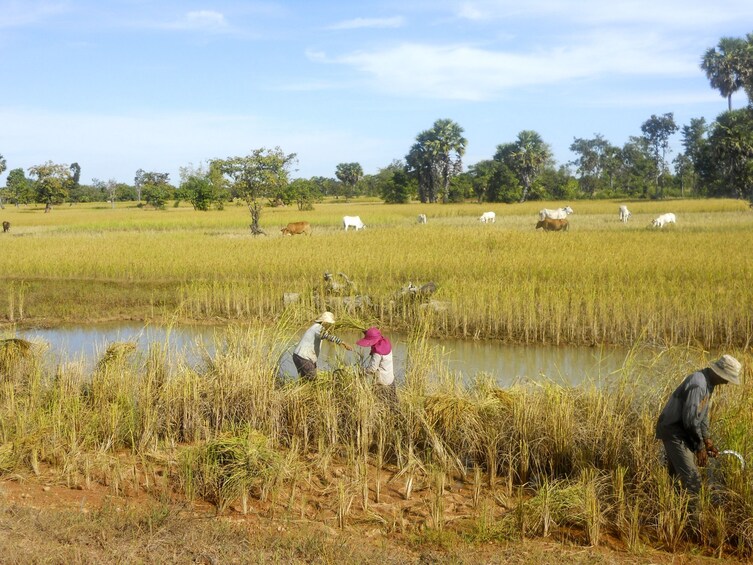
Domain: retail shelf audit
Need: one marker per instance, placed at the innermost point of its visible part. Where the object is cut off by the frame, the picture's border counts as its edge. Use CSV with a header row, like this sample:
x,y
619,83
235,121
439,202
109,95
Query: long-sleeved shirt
x,y
310,343
686,413
381,366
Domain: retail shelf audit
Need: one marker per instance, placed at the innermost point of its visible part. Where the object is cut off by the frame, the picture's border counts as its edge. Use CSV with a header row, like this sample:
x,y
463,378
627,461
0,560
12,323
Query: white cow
x,y
624,213
353,222
422,218
668,218
558,214
488,217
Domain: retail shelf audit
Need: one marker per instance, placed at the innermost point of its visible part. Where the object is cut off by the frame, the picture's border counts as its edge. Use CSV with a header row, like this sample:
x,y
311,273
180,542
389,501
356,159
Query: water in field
x,y
506,363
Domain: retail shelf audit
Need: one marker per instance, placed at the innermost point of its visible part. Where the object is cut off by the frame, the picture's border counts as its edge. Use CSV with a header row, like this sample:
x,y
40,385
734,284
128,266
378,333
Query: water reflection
x,y
506,363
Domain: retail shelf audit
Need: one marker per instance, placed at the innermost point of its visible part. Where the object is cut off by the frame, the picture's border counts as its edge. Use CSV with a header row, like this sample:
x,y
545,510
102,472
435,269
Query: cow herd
x,y
549,220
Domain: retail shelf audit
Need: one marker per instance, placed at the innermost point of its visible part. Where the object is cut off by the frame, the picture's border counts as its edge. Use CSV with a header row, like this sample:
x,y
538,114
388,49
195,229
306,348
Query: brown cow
x,y
6,226
295,228
550,224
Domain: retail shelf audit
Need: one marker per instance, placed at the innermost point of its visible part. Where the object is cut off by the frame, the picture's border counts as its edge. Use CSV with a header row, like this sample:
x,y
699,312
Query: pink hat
x,y
373,338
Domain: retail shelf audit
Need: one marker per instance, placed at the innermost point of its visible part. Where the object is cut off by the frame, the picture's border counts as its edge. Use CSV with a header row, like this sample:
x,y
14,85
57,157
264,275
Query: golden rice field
x,y
453,470
602,282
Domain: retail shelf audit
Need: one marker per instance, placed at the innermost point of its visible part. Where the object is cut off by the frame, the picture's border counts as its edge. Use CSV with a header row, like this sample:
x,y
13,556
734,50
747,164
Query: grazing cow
x,y
6,226
624,213
353,222
553,224
488,218
558,214
422,218
295,228
668,218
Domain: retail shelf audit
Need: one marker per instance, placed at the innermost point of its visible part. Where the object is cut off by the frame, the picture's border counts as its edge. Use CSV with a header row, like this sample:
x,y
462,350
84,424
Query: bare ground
x,y
45,518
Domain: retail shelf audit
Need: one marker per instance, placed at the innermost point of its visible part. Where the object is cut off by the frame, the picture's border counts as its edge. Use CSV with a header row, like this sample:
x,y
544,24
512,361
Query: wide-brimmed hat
x,y
326,318
374,338
728,368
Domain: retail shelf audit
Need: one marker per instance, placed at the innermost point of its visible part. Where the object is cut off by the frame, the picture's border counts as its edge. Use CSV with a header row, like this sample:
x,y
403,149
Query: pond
x,y
568,365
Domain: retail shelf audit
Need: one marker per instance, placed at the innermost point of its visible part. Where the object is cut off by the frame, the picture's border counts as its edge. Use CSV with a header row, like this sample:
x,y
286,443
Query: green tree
x,y
636,171
304,192
261,174
656,131
688,162
526,158
727,164
395,184
51,183
481,175
153,187
18,189
349,174
591,162
435,158
201,187
724,67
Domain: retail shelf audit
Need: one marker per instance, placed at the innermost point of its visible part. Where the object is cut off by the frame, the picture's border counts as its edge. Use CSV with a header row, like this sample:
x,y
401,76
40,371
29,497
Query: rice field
x,y
602,282
451,461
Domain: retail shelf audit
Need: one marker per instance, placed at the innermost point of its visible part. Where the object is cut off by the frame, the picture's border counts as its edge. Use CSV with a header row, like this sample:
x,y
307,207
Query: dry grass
x,y
447,460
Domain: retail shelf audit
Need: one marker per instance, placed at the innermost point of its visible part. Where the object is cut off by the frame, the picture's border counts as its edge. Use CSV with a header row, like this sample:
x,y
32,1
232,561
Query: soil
x,y
46,518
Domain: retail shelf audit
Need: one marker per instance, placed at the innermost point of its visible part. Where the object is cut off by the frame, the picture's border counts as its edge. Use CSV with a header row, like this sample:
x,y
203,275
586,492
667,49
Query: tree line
x,y
716,160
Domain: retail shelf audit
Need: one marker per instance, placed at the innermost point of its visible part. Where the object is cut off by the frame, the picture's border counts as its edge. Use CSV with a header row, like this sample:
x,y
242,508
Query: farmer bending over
x,y
306,352
379,362
683,425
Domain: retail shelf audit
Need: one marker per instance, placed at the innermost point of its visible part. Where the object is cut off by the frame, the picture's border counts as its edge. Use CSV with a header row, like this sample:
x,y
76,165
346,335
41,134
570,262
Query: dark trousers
x,y
681,464
306,367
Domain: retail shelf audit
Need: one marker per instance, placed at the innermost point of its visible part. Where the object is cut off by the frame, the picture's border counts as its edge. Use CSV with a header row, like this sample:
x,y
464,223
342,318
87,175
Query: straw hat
x,y
326,318
728,368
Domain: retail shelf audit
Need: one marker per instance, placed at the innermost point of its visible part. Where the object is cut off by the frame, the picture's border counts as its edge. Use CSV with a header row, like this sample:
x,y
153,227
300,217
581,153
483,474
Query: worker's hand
x,y
348,347
702,457
710,448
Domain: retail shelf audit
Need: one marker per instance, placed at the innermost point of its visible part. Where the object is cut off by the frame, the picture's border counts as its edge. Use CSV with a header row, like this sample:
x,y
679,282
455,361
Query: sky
x,y
122,85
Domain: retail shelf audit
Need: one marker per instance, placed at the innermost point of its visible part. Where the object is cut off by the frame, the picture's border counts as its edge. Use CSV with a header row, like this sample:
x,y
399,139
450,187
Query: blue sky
x,y
118,85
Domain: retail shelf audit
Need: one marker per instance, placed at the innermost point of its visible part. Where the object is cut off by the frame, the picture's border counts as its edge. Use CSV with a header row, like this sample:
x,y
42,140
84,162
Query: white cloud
x,y
358,23
467,72
24,12
201,20
671,13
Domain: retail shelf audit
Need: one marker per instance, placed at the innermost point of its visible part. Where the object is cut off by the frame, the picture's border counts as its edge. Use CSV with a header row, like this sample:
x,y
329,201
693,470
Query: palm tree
x,y
723,67
436,157
527,156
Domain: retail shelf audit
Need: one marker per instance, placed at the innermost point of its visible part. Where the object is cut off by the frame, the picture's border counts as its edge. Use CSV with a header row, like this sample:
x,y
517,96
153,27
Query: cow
x,y
624,213
553,224
6,226
668,218
422,218
353,222
295,228
488,217
558,214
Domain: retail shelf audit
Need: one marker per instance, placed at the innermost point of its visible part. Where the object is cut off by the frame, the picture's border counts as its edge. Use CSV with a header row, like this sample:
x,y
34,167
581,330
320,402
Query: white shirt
x,y
310,343
382,366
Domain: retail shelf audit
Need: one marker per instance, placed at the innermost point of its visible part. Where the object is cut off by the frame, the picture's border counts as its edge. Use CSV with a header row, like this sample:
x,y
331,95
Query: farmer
x,y
683,425
378,363
306,352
